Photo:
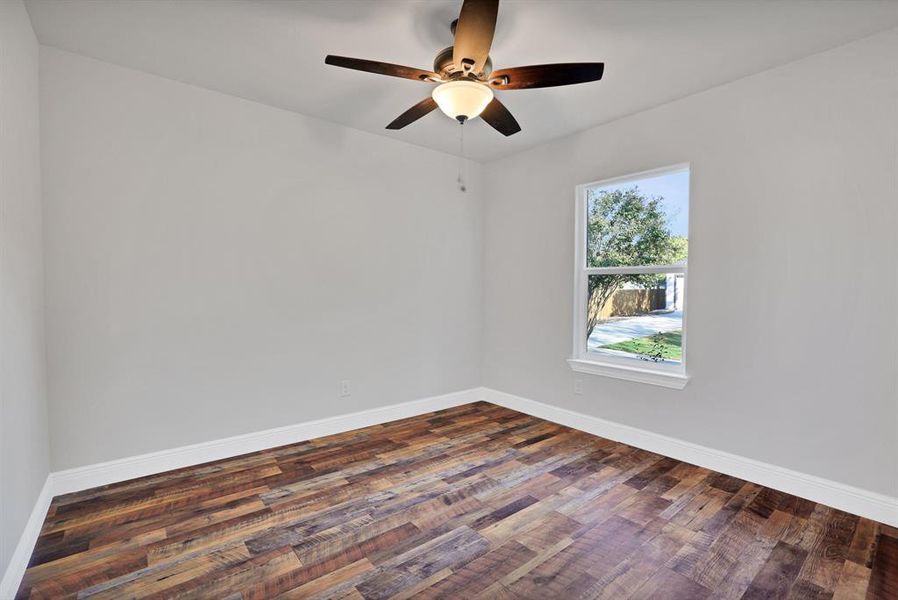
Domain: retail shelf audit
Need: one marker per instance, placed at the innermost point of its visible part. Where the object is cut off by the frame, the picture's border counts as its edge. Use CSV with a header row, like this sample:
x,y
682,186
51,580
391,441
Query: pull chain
x,y
461,157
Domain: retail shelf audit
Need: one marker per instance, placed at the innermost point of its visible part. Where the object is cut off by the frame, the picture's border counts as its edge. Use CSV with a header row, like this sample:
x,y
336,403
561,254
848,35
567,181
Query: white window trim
x,y
670,375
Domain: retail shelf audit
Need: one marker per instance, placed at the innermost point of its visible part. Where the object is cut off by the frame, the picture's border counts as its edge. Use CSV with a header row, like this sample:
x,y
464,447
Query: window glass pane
x,y
636,316
638,222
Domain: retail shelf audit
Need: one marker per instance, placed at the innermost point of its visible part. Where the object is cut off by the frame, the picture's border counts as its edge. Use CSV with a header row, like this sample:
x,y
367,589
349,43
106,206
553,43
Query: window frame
x,y
671,375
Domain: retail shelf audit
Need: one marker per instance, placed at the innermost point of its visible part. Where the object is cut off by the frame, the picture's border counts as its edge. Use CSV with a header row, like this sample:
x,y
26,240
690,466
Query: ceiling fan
x,y
465,73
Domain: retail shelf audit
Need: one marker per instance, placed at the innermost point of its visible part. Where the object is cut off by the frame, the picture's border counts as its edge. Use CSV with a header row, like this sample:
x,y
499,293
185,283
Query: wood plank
x,y
671,586
778,573
884,575
853,583
474,577
826,556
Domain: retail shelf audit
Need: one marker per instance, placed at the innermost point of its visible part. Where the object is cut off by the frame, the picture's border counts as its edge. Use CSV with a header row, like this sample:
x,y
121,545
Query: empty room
x,y
387,299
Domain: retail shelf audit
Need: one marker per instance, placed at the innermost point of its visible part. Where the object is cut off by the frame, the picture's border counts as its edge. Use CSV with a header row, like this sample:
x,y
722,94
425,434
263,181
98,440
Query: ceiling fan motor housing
x,y
445,66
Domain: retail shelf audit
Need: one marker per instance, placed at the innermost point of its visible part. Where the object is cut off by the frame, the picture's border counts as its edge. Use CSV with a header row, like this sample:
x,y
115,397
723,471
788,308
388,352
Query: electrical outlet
x,y
578,386
345,388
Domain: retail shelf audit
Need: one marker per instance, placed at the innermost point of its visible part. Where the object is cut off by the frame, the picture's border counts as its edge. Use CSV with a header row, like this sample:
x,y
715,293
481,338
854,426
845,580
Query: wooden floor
x,y
473,502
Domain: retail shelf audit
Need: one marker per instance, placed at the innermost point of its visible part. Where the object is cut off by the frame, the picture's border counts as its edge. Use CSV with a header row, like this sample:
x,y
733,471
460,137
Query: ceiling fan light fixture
x,y
462,100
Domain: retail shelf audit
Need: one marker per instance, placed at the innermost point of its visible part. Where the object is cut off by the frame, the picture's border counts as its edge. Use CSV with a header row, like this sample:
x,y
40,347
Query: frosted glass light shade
x,y
465,99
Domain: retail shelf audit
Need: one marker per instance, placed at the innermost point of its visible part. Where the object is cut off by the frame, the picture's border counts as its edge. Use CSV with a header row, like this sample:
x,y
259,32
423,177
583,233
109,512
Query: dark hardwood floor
x,y
473,502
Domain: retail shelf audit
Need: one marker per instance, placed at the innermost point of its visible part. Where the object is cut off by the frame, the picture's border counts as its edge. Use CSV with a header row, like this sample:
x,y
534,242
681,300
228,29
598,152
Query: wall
x,y
793,196
23,410
216,266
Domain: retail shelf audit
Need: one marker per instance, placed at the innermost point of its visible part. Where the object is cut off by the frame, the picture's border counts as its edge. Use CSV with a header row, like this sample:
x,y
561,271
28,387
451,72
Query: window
x,y
630,296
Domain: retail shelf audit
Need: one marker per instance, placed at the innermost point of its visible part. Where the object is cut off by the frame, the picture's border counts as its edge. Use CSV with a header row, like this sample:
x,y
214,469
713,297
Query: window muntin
x,y
631,273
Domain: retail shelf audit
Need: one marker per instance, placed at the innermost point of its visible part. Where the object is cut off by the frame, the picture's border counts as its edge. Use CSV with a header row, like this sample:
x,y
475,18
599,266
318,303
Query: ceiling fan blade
x,y
381,68
474,33
413,114
539,76
499,118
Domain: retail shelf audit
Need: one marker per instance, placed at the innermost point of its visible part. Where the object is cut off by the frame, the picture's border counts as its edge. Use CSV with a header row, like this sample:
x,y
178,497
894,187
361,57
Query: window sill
x,y
666,379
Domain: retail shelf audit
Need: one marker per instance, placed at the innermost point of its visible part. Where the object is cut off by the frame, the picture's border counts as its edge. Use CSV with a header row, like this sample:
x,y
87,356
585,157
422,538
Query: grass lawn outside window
x,y
667,345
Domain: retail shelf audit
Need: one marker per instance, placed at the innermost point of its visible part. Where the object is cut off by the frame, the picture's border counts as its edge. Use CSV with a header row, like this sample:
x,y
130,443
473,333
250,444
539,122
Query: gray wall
x,y
23,410
793,205
216,266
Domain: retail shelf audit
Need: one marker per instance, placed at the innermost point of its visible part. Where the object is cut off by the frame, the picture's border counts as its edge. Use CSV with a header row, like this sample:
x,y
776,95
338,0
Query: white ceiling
x,y
272,51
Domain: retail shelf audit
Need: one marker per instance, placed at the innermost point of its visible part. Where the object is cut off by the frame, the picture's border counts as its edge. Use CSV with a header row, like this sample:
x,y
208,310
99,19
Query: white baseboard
x,y
9,585
123,469
865,503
